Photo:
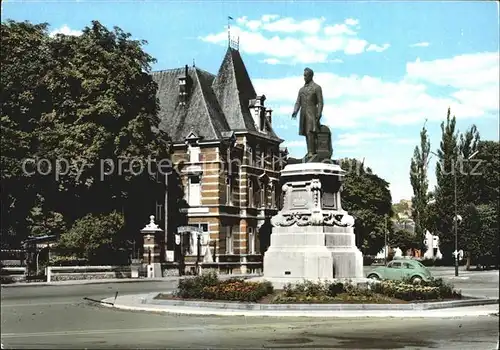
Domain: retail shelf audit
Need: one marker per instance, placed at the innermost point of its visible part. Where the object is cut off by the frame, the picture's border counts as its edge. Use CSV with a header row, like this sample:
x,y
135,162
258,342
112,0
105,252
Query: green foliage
x,y
419,182
94,236
405,240
82,100
62,260
405,290
208,286
479,233
193,287
367,197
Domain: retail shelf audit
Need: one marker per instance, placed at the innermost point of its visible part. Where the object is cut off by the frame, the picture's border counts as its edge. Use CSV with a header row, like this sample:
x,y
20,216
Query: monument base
x,y
313,237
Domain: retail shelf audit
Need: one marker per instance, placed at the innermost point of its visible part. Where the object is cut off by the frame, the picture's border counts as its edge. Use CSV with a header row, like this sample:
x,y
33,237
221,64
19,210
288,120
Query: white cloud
x,y
271,61
377,48
351,22
268,18
351,101
291,41
66,31
338,29
468,71
421,44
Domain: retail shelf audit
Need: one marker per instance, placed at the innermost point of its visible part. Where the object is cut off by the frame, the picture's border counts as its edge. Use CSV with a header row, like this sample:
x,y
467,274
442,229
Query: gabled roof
x,y
234,90
215,105
201,114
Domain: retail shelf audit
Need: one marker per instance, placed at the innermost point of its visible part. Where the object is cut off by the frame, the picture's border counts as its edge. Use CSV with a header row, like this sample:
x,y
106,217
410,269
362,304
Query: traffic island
x,y
207,295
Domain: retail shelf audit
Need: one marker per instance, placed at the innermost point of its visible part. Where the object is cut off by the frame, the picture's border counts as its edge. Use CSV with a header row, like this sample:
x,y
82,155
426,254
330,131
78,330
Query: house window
x,y
194,154
250,156
251,241
194,190
273,197
263,201
229,240
229,190
250,193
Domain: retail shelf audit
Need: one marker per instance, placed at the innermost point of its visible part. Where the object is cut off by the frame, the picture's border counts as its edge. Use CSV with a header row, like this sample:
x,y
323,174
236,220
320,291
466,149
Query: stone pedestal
x,y
312,236
152,248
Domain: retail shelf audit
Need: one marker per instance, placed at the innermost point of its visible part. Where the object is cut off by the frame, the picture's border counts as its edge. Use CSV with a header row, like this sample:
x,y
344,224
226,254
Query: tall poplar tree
x,y
419,181
445,190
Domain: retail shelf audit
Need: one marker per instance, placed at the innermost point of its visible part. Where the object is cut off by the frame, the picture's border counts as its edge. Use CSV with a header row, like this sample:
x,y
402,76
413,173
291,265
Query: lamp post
x,y
457,217
385,239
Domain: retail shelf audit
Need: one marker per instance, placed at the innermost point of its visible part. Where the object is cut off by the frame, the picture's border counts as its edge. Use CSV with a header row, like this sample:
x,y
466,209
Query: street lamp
x,y
457,217
385,239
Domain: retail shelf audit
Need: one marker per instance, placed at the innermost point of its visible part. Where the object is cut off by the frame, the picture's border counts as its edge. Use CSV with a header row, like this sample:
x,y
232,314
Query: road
x,y
58,317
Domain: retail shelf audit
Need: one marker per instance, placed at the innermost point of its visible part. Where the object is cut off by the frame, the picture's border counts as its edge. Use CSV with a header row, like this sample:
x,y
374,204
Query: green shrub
x,y
208,286
193,287
62,260
335,289
238,291
433,290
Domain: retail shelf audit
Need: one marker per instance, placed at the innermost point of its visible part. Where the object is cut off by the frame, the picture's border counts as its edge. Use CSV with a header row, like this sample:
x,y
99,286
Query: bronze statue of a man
x,y
310,104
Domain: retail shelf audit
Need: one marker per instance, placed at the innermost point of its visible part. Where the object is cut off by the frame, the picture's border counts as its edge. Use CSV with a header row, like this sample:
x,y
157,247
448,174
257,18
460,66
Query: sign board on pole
x,y
183,229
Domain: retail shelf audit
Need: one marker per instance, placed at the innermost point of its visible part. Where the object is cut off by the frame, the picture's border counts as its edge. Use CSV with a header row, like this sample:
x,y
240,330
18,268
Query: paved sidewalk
x,y
139,302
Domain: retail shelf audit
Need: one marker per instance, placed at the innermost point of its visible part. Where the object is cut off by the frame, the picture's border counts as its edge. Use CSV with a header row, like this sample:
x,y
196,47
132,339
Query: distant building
x,y
228,156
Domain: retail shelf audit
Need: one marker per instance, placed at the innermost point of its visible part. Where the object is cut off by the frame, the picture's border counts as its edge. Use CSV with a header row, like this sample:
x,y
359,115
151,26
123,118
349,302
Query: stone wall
x,y
73,273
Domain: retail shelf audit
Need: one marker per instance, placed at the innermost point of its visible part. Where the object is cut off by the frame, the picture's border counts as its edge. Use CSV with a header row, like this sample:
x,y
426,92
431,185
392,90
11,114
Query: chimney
x,y
269,116
184,87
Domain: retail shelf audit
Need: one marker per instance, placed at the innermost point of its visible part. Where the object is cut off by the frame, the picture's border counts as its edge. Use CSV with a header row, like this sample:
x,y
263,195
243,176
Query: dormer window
x,y
194,154
183,87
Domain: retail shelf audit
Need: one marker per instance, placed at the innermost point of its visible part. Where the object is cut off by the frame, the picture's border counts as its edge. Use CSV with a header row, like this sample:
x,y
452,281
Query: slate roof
x,y
215,105
202,113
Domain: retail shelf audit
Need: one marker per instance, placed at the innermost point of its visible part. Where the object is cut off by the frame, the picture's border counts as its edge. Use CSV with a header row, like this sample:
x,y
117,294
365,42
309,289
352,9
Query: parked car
x,y
399,269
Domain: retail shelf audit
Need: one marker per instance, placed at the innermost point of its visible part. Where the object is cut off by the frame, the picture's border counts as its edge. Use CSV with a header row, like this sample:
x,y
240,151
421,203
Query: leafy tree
x,y
481,225
404,240
367,197
419,182
94,237
466,177
24,60
445,190
76,102
487,173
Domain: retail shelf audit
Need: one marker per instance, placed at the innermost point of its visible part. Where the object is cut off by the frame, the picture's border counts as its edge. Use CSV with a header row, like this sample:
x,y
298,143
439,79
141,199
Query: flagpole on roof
x,y
229,18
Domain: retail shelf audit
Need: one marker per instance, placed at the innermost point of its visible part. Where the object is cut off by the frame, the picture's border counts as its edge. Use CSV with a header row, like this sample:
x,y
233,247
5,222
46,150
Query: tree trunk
x,y
467,265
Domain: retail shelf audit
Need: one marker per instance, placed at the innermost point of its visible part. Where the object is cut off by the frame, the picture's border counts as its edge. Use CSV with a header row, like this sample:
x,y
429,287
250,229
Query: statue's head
x,y
308,75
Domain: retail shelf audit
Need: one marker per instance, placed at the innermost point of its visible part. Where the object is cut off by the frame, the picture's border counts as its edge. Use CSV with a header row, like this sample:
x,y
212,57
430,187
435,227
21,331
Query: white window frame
x,y
250,156
194,154
194,188
229,240
250,193
251,240
229,190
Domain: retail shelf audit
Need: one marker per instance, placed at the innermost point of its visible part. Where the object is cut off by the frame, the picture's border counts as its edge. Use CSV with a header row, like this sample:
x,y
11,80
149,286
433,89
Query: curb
x,y
323,307
459,308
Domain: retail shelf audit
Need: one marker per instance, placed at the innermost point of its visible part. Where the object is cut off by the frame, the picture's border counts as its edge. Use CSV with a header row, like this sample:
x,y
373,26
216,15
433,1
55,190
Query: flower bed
x,y
208,287
435,289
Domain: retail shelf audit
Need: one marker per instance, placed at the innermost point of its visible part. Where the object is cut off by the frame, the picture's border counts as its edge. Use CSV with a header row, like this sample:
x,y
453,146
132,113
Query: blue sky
x,y
385,67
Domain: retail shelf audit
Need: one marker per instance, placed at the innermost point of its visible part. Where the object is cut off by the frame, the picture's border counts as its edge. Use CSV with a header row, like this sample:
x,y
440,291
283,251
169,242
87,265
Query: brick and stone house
x,y
227,158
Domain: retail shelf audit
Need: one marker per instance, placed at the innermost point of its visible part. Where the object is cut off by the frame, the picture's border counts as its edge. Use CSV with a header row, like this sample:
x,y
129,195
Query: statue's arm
x,y
319,93
296,108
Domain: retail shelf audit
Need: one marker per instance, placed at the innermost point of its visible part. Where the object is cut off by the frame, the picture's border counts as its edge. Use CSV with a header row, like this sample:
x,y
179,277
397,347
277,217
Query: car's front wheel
x,y
416,279
373,276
